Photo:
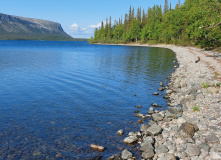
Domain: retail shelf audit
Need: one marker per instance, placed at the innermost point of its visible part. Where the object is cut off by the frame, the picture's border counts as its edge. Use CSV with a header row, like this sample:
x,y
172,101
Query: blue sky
x,y
77,17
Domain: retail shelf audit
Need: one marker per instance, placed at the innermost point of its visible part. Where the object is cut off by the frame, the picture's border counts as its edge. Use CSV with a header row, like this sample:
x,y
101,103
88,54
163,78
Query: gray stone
x,y
143,128
148,139
177,110
155,93
162,149
146,147
157,117
126,154
147,155
169,91
154,104
139,115
161,89
120,132
212,138
161,83
154,130
169,115
151,122
168,156
131,139
192,150
204,146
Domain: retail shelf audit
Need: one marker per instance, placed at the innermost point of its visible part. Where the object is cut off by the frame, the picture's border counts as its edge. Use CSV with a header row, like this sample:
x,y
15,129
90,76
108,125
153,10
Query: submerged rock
x,y
130,140
97,147
120,132
126,154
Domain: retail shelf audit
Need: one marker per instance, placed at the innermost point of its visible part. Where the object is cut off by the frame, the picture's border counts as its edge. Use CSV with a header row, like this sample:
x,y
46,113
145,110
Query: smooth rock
x,y
157,117
154,104
169,91
139,106
126,154
161,83
192,150
139,115
120,132
131,139
97,147
161,89
154,130
155,93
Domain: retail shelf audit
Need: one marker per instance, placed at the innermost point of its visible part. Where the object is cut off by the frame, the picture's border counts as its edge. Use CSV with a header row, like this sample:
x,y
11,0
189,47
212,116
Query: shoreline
x,y
191,127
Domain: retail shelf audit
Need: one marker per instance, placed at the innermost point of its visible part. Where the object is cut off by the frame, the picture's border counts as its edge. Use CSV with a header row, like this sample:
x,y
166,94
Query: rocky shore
x,y
191,127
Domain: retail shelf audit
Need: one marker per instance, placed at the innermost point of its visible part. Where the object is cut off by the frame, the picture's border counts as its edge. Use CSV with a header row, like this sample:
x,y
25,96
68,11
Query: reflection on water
x,y
59,97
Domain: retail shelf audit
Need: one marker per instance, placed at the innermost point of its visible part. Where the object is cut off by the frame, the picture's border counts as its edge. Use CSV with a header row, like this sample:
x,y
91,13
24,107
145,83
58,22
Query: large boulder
x,y
187,130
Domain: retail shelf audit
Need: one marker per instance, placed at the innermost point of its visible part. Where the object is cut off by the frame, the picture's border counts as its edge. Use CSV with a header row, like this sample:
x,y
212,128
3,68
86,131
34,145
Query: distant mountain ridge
x,y
22,28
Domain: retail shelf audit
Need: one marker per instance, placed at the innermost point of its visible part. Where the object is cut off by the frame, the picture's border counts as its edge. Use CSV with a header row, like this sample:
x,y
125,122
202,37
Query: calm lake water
x,y
57,98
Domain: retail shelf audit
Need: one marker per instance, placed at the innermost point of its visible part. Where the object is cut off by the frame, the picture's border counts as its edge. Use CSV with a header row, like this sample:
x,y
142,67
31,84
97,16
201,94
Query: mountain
x,y
21,28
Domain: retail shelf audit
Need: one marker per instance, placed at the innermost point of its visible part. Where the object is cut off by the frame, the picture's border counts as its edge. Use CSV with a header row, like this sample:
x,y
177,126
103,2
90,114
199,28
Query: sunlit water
x,y
57,98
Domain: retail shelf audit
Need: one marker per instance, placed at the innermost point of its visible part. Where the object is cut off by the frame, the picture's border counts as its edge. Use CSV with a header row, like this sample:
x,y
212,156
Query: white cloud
x,y
74,27
95,26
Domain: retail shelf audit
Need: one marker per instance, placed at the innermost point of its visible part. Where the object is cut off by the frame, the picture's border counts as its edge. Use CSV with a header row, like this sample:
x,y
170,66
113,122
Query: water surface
x,y
57,98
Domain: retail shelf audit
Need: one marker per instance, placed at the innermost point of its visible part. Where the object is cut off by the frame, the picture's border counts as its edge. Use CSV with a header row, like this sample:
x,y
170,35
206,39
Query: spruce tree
x,y
165,9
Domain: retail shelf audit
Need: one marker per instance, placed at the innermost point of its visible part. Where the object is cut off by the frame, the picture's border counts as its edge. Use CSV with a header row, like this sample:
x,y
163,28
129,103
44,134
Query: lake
x,y
57,98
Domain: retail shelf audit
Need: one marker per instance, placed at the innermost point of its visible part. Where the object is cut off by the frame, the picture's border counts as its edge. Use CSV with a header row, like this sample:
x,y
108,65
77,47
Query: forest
x,y
193,23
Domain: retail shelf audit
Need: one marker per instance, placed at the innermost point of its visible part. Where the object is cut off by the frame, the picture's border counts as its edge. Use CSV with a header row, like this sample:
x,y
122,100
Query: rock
x,y
213,90
212,138
181,120
136,111
97,158
151,122
147,155
187,130
155,93
170,115
139,115
169,91
157,117
177,110
161,83
168,156
97,147
204,146
148,139
154,130
215,156
146,147
192,150
151,109
166,97
161,149
143,128
139,106
161,89
148,116
131,139
154,104
120,132
126,154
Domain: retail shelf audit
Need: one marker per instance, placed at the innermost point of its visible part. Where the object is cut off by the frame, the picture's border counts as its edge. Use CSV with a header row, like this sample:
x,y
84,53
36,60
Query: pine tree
x,y
165,9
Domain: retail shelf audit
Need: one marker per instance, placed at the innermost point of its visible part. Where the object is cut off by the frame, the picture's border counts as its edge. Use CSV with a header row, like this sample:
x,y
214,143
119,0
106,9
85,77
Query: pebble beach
x,y
191,127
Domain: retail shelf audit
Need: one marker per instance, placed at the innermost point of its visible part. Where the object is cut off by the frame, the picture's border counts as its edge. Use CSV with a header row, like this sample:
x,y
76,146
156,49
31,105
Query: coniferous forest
x,y
194,23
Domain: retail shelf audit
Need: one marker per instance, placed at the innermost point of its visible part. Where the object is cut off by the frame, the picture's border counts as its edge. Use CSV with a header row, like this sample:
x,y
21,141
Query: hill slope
x,y
21,28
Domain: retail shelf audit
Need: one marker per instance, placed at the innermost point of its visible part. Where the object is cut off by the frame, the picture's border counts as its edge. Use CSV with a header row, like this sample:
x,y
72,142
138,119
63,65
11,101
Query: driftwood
x,y
197,60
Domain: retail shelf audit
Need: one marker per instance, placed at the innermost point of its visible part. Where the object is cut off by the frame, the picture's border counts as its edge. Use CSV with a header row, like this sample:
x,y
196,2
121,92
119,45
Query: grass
x,y
218,84
204,85
196,109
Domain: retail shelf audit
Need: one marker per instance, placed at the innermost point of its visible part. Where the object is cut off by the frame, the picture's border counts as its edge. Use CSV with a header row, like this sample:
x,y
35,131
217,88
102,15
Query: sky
x,y
79,18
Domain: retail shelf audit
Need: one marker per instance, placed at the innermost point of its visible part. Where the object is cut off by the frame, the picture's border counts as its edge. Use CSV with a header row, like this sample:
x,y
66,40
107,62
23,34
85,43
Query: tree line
x,y
196,22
